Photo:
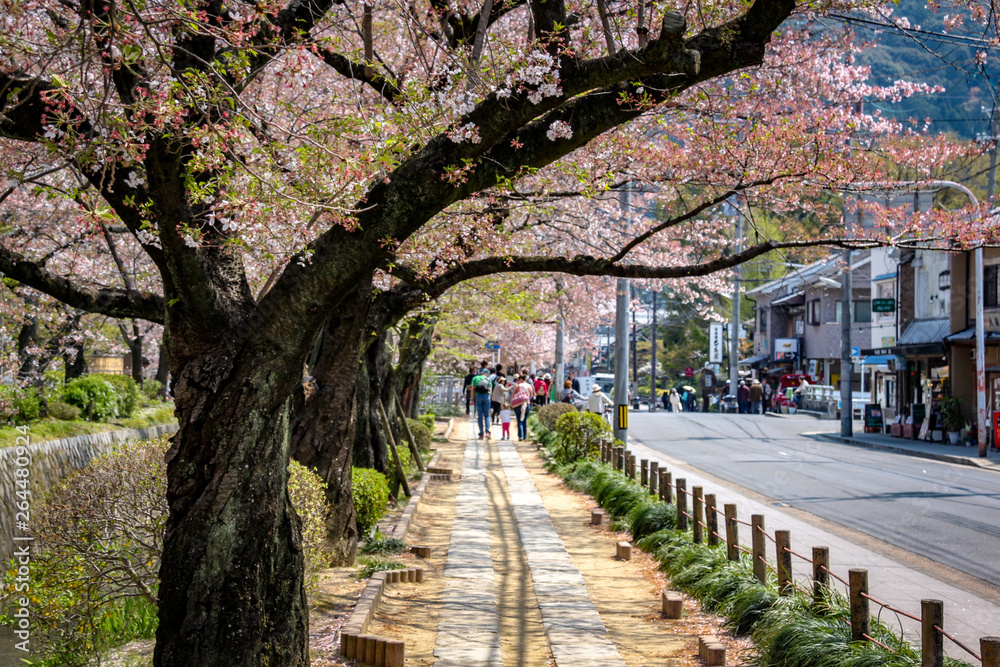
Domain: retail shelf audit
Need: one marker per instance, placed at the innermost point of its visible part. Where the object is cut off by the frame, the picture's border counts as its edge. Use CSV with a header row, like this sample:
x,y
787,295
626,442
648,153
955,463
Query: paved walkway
x,y
468,629
967,616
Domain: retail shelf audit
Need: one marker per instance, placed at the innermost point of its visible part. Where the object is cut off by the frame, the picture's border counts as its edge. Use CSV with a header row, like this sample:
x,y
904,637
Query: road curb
x,y
960,460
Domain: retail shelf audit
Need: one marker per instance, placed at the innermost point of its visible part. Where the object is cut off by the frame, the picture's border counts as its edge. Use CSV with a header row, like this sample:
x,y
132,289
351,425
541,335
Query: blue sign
x,y
492,345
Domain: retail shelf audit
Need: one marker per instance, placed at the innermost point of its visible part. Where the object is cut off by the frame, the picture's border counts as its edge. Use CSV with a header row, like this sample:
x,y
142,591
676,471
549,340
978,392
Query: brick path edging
x,y
354,643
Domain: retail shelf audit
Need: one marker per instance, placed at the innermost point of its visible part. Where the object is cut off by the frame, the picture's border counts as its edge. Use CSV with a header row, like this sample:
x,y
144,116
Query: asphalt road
x,y
945,512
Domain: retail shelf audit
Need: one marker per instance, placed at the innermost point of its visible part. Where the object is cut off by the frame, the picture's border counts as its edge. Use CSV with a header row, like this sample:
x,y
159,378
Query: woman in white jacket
x,y
597,400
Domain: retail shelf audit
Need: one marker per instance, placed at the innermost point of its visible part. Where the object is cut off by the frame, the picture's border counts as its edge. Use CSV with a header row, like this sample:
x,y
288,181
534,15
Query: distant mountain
x,y
932,57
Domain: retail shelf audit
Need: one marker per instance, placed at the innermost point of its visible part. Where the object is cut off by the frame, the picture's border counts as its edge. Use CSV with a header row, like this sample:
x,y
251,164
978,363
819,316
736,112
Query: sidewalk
x,y
968,617
959,454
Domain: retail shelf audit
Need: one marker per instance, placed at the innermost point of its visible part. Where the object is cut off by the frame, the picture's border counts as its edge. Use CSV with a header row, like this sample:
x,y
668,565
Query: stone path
x,y
469,626
468,629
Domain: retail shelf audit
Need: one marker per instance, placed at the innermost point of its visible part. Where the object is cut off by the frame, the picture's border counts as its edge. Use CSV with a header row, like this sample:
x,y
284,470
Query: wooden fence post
x,y
931,641
783,559
631,466
859,604
732,533
989,648
667,486
682,518
644,472
711,519
758,539
821,575
654,477
697,519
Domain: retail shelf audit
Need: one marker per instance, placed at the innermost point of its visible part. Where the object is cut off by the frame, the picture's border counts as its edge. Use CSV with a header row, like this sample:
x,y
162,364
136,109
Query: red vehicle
x,y
790,381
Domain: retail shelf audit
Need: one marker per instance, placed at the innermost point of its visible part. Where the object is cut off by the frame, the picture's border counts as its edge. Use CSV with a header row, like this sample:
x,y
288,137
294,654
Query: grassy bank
x,y
43,430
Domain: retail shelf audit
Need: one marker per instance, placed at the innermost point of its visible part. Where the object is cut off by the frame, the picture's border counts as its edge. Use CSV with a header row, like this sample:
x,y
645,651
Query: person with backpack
x,y
540,390
481,388
520,400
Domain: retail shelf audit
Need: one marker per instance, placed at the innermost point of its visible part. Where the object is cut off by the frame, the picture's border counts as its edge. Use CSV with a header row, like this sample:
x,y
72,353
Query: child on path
x,y
505,415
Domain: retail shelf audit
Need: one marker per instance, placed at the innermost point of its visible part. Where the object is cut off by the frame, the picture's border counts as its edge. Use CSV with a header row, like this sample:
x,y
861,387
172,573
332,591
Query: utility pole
x,y
560,366
621,359
635,364
846,365
982,420
734,339
623,288
652,361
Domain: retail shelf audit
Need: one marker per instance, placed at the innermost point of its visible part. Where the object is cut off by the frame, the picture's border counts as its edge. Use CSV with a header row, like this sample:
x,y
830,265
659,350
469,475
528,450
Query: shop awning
x,y
794,299
969,335
878,359
750,361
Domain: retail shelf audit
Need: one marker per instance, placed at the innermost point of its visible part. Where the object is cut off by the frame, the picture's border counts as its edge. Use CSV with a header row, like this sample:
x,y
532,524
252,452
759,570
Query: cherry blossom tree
x,y
256,176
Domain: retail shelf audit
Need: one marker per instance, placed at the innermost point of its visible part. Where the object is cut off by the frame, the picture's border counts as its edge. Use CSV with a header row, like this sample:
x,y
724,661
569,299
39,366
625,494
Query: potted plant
x,y
950,409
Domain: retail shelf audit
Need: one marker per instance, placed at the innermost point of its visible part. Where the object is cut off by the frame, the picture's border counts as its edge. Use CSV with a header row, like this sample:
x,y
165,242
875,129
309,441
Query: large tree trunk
x,y
231,590
413,352
74,360
370,445
324,418
162,371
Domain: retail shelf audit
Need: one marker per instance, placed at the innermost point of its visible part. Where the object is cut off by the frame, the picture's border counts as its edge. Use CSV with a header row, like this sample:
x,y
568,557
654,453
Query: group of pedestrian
x,y
682,401
496,397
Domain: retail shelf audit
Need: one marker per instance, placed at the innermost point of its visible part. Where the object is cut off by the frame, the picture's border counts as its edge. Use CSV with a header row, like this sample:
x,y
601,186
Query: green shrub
x,y
307,491
153,391
99,536
82,390
128,392
549,414
427,419
19,404
405,457
579,436
421,433
371,496
370,566
382,545
64,411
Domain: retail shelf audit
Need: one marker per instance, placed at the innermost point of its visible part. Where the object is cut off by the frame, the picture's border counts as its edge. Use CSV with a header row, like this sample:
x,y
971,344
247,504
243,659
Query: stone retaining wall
x,y
50,462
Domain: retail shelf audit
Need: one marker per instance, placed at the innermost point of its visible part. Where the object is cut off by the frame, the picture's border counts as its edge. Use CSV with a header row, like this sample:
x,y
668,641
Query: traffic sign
x,y
689,372
492,345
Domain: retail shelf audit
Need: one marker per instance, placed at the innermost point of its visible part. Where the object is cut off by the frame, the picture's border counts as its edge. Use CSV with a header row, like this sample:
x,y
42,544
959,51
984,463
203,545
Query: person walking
x,y
756,394
540,390
675,400
768,396
520,400
569,395
505,414
743,397
597,400
498,396
467,388
481,390
574,382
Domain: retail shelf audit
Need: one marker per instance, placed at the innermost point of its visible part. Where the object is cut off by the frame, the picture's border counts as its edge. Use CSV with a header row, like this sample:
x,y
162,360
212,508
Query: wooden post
x,y
697,515
859,604
631,465
414,450
682,502
783,558
759,540
400,473
667,486
989,648
931,641
821,575
644,472
620,461
654,476
711,519
732,533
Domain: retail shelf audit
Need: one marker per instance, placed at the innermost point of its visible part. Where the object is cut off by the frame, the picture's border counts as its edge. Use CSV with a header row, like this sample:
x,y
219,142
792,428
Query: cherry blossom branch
x,y
349,69
693,212
111,302
584,265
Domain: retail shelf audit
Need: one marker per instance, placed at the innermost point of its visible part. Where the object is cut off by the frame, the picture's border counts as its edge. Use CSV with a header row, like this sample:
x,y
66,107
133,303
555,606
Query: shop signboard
x,y
873,418
715,343
786,349
883,305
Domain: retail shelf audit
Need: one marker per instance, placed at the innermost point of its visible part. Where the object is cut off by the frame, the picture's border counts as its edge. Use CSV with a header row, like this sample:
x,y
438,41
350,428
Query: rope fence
x,y
661,483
